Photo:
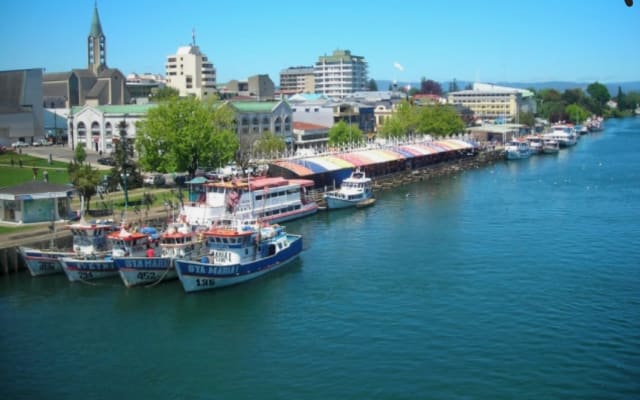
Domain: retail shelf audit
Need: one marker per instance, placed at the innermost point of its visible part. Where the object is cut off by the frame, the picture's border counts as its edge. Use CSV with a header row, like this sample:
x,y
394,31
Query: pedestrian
x,y
45,175
150,252
35,173
20,162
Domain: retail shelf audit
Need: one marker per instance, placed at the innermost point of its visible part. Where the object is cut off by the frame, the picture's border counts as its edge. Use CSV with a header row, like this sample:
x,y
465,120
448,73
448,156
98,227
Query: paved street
x,y
60,153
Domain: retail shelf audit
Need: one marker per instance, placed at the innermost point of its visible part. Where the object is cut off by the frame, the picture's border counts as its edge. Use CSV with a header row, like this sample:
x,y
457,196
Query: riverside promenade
x,y
43,235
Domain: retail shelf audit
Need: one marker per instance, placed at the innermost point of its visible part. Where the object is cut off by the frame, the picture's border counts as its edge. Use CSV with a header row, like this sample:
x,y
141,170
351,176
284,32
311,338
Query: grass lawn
x,y
13,174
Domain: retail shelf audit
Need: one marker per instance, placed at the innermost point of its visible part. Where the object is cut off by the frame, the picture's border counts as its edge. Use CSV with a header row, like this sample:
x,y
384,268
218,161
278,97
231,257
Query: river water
x,y
516,280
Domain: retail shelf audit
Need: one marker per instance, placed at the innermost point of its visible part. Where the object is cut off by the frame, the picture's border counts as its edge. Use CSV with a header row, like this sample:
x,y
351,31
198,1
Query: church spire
x,y
96,27
96,44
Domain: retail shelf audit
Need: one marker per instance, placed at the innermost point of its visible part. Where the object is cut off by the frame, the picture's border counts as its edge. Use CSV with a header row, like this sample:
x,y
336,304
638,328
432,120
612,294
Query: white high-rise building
x,y
340,74
190,72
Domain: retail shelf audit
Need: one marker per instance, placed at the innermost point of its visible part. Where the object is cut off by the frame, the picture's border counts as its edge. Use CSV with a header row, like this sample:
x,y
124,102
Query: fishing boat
x,y
517,149
237,253
564,134
550,146
353,190
123,243
179,240
535,143
89,238
269,199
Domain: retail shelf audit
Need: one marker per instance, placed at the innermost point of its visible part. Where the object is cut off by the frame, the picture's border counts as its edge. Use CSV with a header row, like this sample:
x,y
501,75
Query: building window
x,y
82,130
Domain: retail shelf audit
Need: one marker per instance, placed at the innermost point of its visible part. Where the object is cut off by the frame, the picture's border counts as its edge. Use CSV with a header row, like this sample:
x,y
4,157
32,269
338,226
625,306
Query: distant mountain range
x,y
560,86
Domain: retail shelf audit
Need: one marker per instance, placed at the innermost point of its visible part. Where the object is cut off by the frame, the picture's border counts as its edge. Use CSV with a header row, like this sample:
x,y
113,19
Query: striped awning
x,y
362,158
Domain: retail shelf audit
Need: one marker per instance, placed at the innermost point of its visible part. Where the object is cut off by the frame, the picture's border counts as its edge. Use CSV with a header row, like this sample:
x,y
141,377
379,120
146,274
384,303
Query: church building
x,y
96,85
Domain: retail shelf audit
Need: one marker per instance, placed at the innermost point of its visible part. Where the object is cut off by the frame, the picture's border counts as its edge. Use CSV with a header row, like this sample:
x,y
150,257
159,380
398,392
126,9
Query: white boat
x,y
517,149
237,254
178,240
550,146
353,190
269,199
535,143
95,266
89,238
564,134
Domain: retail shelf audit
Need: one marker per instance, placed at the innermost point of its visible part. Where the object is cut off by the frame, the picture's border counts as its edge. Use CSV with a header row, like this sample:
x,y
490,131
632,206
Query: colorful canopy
x,y
362,158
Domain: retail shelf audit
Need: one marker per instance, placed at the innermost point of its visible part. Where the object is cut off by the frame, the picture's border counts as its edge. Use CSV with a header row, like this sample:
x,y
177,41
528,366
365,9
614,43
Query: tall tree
x,y
83,177
269,143
599,93
453,86
163,94
428,86
576,114
373,85
343,133
183,134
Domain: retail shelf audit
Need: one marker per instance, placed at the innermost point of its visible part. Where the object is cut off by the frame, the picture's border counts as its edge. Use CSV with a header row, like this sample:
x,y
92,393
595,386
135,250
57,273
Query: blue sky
x,y
482,40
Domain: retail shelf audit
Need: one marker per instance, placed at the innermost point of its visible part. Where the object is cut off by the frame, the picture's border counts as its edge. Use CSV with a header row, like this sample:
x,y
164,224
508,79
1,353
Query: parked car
x,y
41,142
19,143
106,161
154,179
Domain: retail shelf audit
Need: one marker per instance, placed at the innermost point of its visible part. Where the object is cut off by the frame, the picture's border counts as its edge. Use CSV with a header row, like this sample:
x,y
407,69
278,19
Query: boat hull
x,y
136,271
197,276
43,262
86,270
335,203
517,155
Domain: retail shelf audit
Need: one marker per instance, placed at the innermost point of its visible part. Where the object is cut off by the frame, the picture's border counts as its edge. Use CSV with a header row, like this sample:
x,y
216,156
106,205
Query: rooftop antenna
x,y
193,36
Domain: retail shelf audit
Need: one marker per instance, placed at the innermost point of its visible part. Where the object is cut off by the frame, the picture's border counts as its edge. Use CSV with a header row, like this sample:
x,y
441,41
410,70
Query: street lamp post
x,y
71,127
125,156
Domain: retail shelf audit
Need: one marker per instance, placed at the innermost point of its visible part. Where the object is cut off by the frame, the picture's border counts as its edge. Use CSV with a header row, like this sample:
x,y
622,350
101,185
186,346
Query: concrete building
x,y
99,127
384,103
35,201
140,86
491,102
309,136
312,108
297,80
256,87
190,72
340,74
255,117
96,85
21,111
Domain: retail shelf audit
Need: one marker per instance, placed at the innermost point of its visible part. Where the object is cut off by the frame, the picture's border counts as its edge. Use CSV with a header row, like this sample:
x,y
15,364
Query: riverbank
x,y
43,235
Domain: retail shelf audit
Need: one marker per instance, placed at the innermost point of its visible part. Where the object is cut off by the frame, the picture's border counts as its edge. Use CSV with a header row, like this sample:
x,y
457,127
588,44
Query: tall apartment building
x,y
340,74
190,72
297,80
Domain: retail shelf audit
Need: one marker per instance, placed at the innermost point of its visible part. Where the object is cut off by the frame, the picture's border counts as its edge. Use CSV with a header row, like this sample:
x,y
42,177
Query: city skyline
x,y
492,41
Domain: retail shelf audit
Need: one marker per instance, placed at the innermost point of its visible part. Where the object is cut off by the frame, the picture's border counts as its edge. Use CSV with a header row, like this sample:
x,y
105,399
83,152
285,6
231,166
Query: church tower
x,y
96,45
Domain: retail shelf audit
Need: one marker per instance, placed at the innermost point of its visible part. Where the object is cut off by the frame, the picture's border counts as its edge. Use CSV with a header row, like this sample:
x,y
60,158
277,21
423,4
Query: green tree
x,y
402,123
573,96
183,134
527,118
343,133
438,120
163,94
80,154
83,177
600,94
373,85
576,113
